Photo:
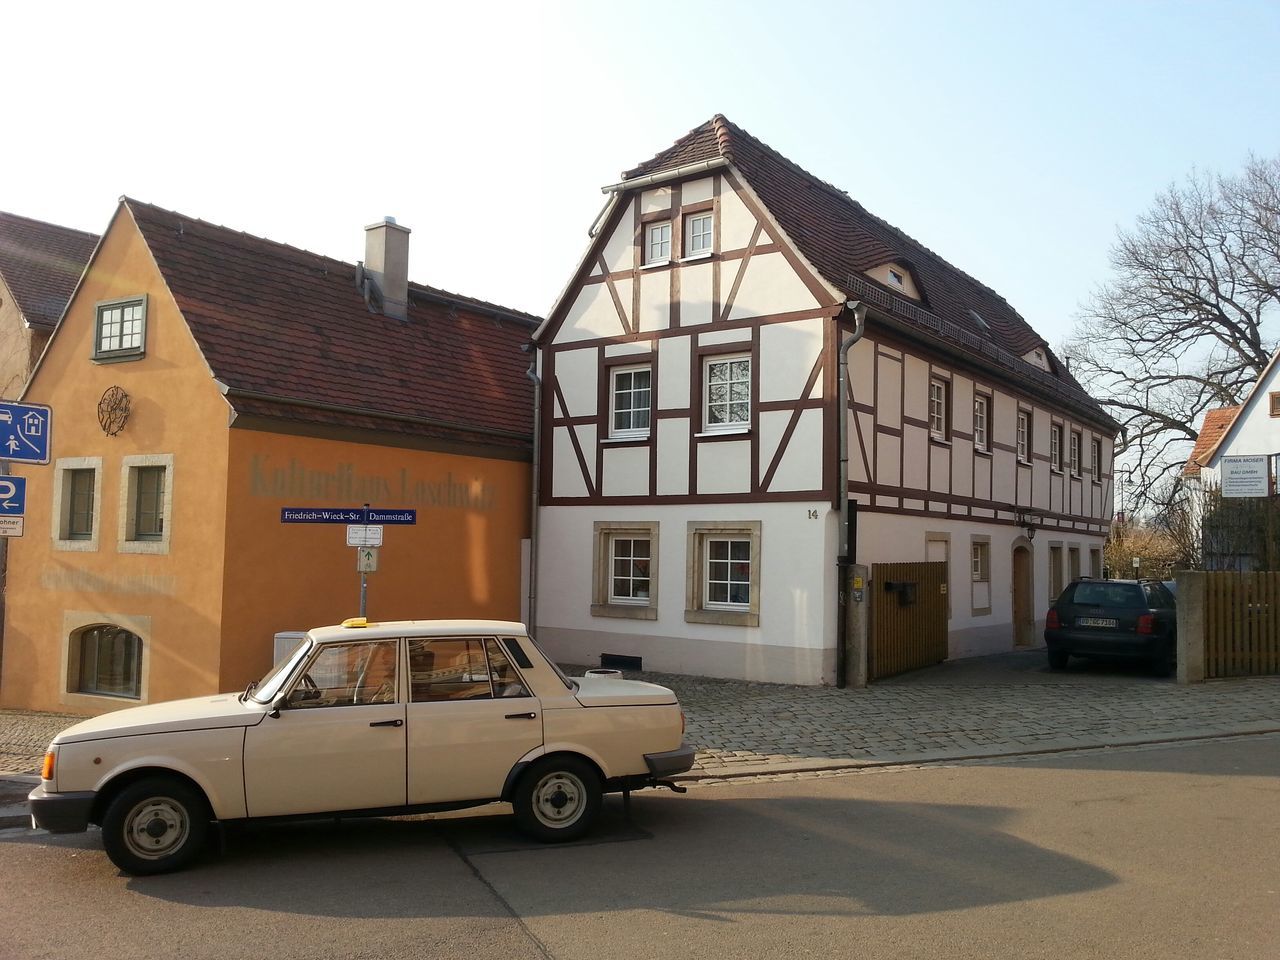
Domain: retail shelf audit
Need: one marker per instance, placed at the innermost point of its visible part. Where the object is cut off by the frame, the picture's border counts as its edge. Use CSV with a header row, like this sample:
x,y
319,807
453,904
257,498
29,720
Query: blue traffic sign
x,y
25,430
13,496
346,515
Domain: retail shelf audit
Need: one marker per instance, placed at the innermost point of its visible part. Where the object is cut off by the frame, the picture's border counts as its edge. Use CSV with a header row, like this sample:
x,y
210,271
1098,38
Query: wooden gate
x,y
1241,624
908,627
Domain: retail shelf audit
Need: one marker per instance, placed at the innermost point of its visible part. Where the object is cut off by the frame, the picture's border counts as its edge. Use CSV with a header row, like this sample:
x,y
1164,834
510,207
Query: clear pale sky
x,y
1012,138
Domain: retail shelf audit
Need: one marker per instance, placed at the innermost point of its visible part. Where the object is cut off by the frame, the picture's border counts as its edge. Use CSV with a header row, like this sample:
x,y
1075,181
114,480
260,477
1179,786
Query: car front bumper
x,y
670,762
60,812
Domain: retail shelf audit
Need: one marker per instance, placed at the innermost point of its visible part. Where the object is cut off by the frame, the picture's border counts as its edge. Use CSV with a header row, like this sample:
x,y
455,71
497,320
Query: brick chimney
x,y
386,261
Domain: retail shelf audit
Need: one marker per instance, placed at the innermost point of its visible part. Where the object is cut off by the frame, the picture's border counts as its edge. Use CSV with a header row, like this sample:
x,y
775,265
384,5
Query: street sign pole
x,y
364,577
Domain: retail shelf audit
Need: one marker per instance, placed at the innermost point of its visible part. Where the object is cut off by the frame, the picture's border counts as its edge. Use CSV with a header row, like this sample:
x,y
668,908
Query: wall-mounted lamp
x,y
1028,521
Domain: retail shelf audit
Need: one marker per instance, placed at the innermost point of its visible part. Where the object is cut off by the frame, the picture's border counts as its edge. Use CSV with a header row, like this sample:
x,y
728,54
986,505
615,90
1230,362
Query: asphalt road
x,y
1162,852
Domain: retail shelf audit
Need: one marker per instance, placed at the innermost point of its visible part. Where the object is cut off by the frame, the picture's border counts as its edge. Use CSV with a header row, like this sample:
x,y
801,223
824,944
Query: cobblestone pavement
x,y
24,735
1004,705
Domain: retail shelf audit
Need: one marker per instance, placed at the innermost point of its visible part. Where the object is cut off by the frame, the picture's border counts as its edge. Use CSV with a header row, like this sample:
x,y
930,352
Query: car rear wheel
x,y
155,826
1058,659
557,799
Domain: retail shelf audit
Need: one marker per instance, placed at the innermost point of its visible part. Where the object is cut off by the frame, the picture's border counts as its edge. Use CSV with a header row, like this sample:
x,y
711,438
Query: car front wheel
x,y
557,799
155,826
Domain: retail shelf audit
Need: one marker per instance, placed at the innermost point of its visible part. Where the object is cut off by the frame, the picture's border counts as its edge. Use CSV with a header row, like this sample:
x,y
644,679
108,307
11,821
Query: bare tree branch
x,y
1186,321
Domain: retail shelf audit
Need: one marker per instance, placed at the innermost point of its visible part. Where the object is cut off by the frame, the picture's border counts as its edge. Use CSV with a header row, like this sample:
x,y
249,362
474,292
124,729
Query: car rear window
x,y
1109,595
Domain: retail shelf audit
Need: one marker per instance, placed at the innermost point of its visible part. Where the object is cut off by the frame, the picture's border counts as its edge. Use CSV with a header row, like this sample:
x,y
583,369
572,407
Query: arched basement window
x,y
110,662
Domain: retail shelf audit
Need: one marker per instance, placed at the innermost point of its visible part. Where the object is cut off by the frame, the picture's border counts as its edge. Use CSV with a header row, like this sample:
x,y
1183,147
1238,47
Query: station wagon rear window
x,y
1103,594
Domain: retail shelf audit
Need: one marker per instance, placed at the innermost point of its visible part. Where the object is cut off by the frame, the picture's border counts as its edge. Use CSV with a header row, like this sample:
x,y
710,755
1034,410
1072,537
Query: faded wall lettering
x,y
344,483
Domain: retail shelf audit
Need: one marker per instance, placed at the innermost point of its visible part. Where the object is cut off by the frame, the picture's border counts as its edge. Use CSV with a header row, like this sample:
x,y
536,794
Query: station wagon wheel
x,y
557,799
154,826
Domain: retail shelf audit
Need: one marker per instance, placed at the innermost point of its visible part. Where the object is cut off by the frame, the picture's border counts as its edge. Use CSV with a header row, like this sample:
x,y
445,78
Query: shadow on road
x,y
695,855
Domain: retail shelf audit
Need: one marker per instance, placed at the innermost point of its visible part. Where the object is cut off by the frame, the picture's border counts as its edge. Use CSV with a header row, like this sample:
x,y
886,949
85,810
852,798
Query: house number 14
x,y
813,514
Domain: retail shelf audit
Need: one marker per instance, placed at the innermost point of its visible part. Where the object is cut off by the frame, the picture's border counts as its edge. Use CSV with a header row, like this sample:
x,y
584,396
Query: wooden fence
x,y
1241,624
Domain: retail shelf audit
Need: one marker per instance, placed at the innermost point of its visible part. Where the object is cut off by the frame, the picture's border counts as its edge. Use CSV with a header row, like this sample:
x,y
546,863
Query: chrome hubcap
x,y
156,827
559,799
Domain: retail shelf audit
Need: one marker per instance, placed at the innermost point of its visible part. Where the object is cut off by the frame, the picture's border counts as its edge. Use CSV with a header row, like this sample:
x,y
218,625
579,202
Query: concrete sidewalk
x,y
1004,705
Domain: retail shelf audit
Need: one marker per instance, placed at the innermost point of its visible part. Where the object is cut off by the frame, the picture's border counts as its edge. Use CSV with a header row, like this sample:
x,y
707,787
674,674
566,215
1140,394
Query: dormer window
x,y
657,242
896,278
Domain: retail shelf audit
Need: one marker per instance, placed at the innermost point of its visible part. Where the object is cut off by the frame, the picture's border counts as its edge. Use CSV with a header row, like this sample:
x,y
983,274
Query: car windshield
x,y
269,686
569,684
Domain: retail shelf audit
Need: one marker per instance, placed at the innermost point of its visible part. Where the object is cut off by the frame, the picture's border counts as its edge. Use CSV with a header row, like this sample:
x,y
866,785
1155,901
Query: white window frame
x,y
1076,442
693,232
629,433
1055,447
132,352
938,390
630,576
129,467
650,258
982,422
728,426
61,512
1023,440
699,608
1095,455
603,602
896,278
980,561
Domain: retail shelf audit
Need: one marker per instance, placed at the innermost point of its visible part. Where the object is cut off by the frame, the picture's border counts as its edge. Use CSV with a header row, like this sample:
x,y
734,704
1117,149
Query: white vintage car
x,y
371,719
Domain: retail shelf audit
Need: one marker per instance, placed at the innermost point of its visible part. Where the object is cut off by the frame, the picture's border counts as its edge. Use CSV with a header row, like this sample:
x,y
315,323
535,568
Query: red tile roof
x,y
41,264
843,240
290,336
1216,424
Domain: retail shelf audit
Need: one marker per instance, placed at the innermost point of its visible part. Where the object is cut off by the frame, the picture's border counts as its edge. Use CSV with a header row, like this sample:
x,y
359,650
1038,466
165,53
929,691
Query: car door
x,y
470,718
339,741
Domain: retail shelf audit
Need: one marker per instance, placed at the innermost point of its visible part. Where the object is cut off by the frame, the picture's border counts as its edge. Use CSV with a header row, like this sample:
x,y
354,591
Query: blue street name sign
x,y
346,515
25,429
13,496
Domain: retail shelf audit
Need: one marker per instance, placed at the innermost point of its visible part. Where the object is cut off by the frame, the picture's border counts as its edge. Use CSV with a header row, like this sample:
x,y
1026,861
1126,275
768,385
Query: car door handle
x,y
522,716
387,723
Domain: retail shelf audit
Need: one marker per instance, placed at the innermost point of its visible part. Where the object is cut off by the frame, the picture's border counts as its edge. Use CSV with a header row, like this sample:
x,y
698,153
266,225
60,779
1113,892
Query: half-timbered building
x,y
690,460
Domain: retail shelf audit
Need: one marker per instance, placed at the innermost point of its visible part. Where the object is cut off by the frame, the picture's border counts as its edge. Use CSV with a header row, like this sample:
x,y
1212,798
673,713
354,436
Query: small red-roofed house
x,y
204,381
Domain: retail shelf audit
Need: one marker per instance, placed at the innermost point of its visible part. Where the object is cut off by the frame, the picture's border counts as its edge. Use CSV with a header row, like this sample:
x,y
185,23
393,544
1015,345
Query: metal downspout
x,y
844,557
532,374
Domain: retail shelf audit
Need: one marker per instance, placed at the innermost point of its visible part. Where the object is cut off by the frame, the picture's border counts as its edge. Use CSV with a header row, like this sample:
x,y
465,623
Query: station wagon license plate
x,y
1097,622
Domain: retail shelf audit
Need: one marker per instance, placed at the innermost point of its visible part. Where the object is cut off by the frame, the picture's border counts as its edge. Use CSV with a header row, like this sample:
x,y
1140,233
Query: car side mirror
x,y
276,705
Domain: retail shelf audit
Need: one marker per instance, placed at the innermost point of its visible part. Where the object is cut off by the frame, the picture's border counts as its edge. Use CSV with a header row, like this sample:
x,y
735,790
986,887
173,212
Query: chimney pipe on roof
x,y
386,260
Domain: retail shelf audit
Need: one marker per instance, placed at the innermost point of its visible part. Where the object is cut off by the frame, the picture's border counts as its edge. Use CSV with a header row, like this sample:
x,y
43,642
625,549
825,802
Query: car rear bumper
x,y
670,762
61,812
1101,645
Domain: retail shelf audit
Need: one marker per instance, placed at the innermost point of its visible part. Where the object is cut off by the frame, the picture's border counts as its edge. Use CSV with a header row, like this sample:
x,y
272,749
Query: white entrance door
x,y
339,744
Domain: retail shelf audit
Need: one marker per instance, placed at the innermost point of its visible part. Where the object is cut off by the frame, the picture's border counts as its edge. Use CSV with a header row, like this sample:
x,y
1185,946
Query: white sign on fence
x,y
1246,476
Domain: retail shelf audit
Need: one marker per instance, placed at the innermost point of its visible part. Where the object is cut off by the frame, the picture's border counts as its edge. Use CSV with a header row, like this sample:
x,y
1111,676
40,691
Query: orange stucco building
x,y
201,381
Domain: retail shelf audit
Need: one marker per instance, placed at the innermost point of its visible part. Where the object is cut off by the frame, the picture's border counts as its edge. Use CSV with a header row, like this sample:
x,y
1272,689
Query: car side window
x,y
1158,595
448,670
348,674
506,681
